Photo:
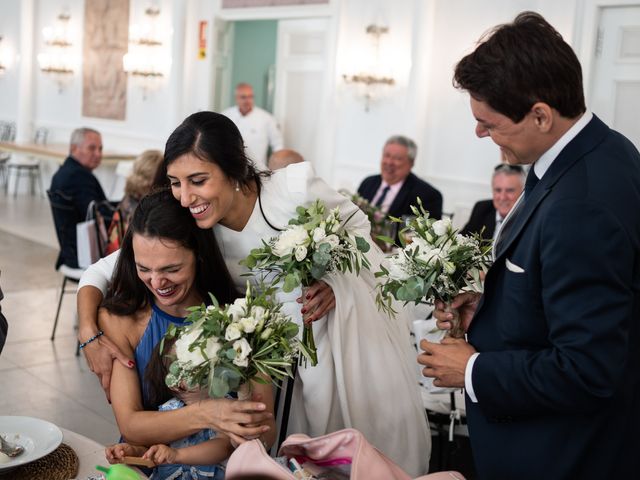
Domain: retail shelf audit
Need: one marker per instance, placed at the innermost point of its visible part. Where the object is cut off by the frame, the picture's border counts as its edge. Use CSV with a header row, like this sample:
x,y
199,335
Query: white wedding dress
x,y
366,373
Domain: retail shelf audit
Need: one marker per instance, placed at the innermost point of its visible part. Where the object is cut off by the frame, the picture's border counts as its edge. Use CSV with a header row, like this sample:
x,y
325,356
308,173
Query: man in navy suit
x,y
75,183
552,363
486,217
396,189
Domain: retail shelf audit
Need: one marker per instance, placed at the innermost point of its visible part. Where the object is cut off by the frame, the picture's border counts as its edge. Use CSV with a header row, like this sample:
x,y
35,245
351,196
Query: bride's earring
x,y
237,187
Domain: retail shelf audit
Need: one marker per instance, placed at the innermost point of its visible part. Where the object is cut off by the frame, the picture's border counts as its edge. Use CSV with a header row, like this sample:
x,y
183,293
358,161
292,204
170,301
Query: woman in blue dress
x,y
166,265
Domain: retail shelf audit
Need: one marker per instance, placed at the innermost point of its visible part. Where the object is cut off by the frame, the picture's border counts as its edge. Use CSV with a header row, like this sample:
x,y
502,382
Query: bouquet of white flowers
x,y
438,264
312,245
223,348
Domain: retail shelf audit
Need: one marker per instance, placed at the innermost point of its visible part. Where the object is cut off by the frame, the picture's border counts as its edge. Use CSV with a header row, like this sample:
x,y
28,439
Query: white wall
x,y
426,38
10,31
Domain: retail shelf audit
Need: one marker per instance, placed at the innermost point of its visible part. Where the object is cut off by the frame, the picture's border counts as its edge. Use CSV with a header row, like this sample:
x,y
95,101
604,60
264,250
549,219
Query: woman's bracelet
x,y
82,345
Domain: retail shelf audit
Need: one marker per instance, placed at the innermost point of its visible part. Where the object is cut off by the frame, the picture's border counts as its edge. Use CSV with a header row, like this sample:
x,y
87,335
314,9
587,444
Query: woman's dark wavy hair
x,y
158,215
211,137
521,63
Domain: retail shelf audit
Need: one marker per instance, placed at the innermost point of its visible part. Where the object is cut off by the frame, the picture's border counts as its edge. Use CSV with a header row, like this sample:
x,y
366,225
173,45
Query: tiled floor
x,y
38,377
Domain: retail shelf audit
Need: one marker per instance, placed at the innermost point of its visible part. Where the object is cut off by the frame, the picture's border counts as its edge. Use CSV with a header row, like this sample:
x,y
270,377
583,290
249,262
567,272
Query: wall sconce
x,y
146,61
59,62
372,78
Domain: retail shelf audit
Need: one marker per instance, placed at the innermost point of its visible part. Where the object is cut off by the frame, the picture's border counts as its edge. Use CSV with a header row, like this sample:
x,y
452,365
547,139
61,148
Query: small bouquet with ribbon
x,y
225,347
438,264
313,244
381,225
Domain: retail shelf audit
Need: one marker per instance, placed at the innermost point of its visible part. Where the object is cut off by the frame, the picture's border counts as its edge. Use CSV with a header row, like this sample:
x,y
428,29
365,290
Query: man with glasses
x,y
487,216
396,188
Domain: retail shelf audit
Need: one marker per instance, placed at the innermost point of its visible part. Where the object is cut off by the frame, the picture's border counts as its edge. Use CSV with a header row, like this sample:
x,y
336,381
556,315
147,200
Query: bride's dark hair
x,y
214,138
158,215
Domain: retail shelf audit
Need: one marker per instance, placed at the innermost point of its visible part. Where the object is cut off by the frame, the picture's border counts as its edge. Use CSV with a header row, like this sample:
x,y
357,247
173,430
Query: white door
x,y
301,80
616,70
222,59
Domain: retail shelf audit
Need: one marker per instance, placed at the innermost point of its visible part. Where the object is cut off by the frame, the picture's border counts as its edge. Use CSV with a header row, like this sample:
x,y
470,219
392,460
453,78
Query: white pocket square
x,y
512,267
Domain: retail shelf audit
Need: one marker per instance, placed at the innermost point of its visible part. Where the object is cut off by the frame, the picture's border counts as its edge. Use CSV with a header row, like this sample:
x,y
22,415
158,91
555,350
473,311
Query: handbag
x,y
345,454
90,237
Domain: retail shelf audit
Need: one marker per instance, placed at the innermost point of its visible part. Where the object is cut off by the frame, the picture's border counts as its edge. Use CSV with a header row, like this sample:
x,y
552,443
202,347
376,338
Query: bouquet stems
x,y
457,328
308,341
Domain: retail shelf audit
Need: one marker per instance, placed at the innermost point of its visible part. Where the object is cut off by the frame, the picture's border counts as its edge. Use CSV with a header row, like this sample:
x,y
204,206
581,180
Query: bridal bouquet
x,y
313,244
381,224
224,347
438,264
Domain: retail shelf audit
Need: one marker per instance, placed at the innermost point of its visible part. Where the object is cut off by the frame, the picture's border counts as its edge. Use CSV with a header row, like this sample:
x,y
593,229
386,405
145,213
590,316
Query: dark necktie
x,y
385,190
531,181
529,184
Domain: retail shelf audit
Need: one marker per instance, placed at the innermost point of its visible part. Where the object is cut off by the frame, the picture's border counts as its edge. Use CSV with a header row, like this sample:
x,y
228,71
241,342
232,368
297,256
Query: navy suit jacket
x,y
558,376
81,187
412,188
482,216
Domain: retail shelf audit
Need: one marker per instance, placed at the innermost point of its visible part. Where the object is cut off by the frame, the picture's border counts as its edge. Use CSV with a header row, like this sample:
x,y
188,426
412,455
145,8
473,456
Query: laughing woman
x,y
166,265
366,373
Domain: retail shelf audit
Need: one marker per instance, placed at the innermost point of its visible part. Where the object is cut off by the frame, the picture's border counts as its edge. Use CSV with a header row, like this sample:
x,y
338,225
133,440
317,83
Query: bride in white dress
x,y
366,374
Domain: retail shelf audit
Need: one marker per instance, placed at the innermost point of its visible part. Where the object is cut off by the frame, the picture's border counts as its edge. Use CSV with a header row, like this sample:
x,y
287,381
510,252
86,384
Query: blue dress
x,y
156,328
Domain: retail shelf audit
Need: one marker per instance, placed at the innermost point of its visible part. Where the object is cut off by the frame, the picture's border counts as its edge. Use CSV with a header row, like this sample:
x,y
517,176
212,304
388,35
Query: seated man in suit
x,y
75,181
396,189
487,215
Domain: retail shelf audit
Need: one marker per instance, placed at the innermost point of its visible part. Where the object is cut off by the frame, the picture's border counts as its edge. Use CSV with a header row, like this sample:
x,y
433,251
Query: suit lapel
x,y
397,207
584,142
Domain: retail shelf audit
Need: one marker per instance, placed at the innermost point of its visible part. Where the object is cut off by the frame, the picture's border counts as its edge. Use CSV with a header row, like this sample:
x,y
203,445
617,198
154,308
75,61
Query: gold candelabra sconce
x,y
372,78
147,61
58,61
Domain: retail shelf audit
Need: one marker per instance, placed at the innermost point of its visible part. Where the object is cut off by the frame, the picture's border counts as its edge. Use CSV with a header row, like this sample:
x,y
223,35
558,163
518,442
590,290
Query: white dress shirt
x,y
259,130
391,194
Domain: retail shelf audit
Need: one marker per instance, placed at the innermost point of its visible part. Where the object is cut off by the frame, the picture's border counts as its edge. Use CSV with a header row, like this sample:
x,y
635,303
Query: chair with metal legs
x,y
65,221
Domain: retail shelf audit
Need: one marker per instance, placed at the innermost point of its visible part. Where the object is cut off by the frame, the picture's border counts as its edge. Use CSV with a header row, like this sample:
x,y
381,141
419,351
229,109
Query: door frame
x,y
585,34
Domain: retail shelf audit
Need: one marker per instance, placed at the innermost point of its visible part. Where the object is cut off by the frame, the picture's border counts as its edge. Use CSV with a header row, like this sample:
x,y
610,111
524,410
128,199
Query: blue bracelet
x,y
82,345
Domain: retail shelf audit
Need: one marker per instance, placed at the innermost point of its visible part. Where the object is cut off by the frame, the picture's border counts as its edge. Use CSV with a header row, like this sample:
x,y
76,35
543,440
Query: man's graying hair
x,y
77,136
412,148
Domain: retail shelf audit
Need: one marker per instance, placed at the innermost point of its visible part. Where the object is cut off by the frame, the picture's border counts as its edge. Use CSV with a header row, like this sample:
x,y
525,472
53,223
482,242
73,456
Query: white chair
x,y
27,166
445,407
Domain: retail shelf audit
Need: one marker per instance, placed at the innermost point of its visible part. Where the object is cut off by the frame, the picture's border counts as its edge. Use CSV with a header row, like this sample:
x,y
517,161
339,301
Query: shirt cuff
x,y
468,385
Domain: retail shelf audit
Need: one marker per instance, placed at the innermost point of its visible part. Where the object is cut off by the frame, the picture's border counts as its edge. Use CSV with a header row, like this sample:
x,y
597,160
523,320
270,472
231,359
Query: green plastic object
x,y
118,472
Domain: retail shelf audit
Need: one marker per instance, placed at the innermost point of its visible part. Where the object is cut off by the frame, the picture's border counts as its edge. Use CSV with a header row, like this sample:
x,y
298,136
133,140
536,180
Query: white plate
x,y
38,437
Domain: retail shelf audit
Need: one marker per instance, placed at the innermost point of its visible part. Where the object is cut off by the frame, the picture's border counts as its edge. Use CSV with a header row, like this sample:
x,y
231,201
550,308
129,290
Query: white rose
x,y
242,349
248,324
318,234
332,240
212,348
237,309
233,331
292,237
396,269
301,253
441,227
182,348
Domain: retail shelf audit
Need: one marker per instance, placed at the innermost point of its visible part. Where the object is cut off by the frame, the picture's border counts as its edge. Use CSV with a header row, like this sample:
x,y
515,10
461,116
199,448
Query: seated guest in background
x,y
284,157
487,215
75,181
259,129
4,326
396,188
138,184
